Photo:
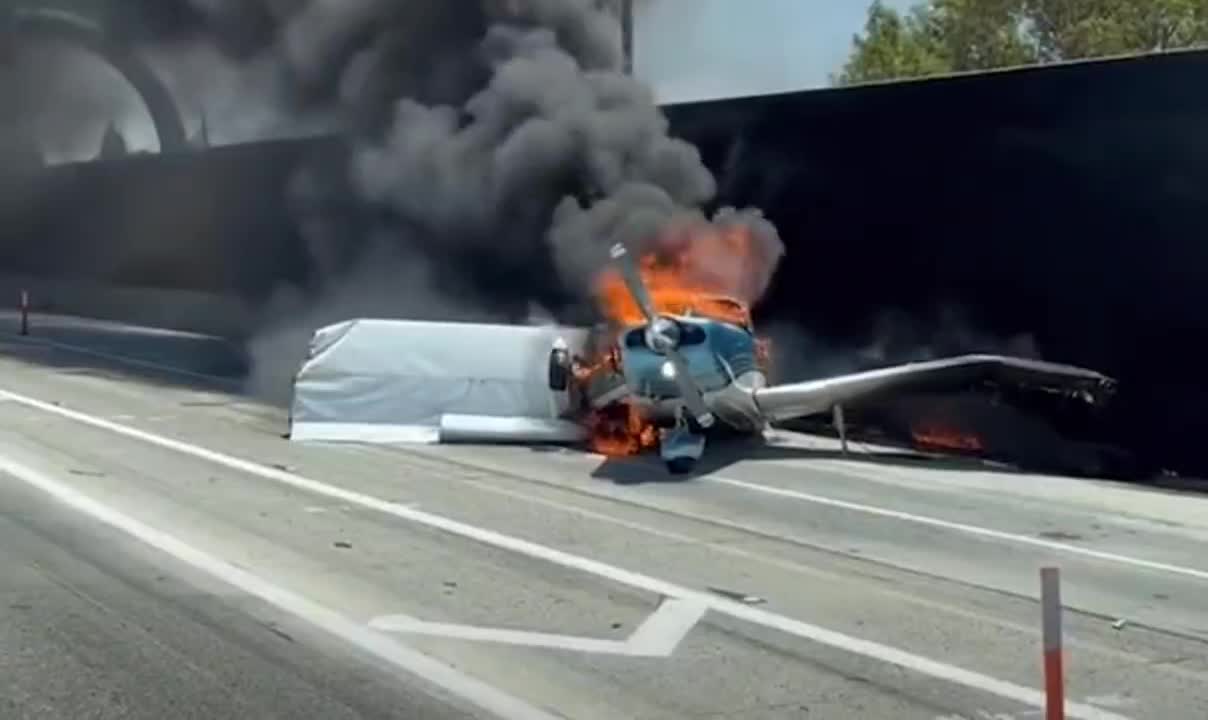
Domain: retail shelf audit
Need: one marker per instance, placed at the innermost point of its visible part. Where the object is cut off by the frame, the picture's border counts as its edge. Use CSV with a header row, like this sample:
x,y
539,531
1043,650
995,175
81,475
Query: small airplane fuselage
x,y
721,358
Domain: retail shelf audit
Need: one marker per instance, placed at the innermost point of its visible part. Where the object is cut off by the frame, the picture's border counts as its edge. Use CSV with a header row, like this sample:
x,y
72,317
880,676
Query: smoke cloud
x,y
494,151
58,102
895,337
489,150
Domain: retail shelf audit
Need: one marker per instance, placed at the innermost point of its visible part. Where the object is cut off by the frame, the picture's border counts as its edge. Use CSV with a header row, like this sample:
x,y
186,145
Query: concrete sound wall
x,y
188,311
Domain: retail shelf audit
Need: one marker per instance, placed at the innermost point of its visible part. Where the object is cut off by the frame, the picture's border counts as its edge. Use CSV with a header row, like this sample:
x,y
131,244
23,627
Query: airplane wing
x,y
786,402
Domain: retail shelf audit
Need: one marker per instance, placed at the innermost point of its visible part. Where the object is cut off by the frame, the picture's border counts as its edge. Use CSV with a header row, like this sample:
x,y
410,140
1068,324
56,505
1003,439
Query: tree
x,y
893,46
1069,29
944,36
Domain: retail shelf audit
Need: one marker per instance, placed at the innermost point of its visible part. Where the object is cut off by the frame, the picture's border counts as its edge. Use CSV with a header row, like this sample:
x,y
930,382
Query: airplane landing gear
x,y
682,446
681,466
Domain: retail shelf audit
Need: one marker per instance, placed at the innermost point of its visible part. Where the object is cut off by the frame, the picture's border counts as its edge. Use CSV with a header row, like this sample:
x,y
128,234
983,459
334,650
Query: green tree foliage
x,y
893,46
943,36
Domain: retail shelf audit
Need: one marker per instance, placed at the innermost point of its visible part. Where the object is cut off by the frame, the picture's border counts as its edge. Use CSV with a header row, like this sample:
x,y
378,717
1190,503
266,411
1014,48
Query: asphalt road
x,y
166,553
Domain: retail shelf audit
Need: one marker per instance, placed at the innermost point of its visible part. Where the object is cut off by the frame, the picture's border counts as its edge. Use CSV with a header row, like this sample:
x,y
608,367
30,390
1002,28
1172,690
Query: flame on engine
x,y
698,269
945,438
706,270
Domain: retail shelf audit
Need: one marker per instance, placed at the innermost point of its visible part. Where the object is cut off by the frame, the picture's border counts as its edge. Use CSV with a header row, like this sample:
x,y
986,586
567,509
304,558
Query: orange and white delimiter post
x,y
1054,679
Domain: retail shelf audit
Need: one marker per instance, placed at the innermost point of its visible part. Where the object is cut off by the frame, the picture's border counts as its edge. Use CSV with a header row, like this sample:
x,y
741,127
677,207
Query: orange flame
x,y
932,436
700,269
620,430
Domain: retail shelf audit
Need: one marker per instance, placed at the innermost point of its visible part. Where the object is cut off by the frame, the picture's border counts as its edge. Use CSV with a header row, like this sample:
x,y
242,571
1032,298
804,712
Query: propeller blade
x,y
633,280
694,399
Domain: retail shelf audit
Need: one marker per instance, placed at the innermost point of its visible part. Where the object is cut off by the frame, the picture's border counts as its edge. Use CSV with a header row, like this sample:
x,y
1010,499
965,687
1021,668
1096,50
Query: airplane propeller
x,y
662,336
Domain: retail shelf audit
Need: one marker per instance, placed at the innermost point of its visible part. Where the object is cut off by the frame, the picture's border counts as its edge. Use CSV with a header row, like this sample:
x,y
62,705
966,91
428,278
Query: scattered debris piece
x,y
343,545
87,473
279,632
1060,535
737,596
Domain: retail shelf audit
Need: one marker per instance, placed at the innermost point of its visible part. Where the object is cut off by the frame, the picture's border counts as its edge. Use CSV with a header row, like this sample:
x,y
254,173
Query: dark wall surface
x,y
1064,202
1067,202
213,221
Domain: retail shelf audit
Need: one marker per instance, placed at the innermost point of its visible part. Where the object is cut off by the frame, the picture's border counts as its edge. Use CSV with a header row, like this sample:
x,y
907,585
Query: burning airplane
x,y
675,360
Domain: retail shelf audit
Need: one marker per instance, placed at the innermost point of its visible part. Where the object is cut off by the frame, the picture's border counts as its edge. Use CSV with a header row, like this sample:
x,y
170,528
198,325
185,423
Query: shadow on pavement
x,y
723,453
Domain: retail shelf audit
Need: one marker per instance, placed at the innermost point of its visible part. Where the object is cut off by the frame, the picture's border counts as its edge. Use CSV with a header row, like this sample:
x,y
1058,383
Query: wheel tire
x,y
681,466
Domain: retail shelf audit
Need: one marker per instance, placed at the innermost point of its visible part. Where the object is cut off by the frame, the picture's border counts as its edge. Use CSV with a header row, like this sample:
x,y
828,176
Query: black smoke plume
x,y
495,144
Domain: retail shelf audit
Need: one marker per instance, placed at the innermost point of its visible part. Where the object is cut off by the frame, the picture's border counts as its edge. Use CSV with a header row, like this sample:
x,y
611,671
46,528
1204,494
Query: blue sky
x,y
701,49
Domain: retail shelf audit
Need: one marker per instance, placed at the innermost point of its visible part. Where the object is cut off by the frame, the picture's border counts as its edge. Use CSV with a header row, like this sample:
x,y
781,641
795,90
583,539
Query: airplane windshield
x,y
714,307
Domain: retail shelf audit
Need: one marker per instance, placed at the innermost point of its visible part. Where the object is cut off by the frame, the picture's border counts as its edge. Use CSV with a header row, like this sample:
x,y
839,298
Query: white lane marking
x,y
959,527
657,637
1114,700
883,653
321,509
383,647
987,715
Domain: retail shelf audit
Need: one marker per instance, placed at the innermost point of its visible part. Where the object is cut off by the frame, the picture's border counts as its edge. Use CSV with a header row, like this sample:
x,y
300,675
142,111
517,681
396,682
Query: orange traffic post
x,y
24,312
1054,679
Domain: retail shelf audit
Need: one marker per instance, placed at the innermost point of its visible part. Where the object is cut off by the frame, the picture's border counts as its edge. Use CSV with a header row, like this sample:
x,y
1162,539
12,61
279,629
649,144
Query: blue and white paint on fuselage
x,y
720,357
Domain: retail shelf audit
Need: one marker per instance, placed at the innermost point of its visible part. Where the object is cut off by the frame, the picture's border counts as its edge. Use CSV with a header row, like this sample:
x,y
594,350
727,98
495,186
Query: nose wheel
x,y
681,466
682,446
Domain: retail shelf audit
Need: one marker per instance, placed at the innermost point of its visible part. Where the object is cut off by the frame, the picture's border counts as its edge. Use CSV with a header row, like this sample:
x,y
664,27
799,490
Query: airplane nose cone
x,y
662,335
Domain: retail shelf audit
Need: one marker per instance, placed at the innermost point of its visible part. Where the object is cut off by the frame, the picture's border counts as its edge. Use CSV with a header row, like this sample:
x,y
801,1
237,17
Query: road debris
x,y
737,596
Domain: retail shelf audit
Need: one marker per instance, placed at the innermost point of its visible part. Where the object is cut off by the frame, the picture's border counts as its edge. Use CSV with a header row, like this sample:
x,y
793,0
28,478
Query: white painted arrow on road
x,y
657,636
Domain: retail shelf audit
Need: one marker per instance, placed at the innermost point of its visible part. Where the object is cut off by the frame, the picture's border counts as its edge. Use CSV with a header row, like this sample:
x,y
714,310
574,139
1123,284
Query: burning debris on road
x,y
929,435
